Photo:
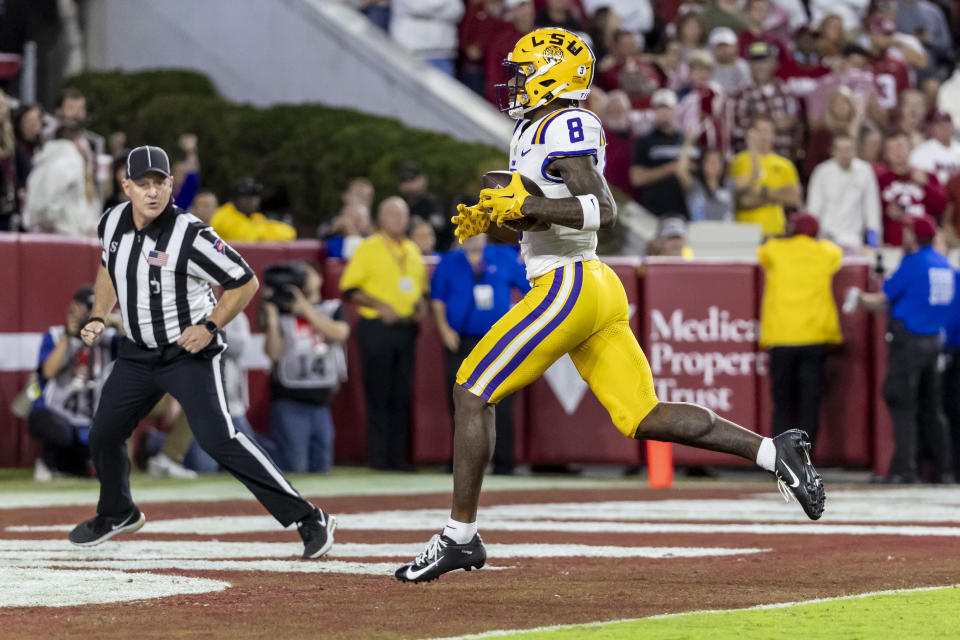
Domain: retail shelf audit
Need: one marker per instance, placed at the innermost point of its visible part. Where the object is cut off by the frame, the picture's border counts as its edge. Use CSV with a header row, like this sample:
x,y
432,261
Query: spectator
x,y
71,376
891,74
620,140
951,379
240,219
635,15
28,123
479,25
844,197
470,291
673,70
625,69
798,321
710,193
671,239
870,148
654,168
841,116
769,97
205,205
766,182
520,16
413,185
186,171
730,71
304,336
831,39
690,33
71,110
428,29
852,72
604,24
118,174
951,213
703,108
352,226
905,193
167,462
925,20
387,280
8,176
852,12
912,116
724,13
358,191
919,296
60,194
755,30
940,154
559,13
422,235
948,97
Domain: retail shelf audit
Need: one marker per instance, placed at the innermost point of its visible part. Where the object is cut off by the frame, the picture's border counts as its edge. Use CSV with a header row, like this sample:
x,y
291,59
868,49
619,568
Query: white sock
x,y
460,532
767,455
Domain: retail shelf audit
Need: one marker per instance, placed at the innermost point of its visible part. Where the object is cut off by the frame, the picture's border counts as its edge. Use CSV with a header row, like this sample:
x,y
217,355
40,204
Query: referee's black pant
x,y
387,354
139,379
912,391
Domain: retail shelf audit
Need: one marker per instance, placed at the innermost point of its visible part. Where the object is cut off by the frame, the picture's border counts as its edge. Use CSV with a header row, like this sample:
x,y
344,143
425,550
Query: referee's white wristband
x,y
591,212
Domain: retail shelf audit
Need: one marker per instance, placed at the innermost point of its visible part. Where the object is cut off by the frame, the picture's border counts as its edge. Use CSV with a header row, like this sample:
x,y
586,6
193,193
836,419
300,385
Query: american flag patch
x,y
219,247
157,258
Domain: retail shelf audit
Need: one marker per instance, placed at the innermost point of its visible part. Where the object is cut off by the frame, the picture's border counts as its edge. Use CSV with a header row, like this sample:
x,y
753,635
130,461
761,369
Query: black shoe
x,y
795,473
317,533
101,528
442,555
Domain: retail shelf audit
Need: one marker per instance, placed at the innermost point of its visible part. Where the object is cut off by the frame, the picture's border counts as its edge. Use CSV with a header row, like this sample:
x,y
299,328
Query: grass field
x,y
567,555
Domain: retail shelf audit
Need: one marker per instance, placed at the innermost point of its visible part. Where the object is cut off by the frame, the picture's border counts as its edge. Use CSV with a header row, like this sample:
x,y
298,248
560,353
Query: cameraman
x,y
304,337
71,376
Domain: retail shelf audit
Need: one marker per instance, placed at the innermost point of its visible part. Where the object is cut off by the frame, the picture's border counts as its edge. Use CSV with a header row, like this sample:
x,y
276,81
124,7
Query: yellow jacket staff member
x,y
240,219
798,320
765,181
387,280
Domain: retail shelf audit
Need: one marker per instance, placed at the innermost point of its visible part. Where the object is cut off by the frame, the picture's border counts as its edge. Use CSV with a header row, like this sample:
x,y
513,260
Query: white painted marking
x,y
13,551
761,607
277,566
42,587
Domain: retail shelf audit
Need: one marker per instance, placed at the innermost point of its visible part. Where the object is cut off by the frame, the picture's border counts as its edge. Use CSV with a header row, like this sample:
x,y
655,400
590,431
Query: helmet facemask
x,y
512,96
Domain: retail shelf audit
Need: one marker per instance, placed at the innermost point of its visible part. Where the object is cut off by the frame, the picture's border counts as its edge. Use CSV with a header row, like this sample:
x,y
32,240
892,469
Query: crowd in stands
x,y
683,88
714,110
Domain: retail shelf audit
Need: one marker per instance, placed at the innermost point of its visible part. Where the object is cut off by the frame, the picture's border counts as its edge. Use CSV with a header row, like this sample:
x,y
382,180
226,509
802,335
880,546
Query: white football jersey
x,y
559,134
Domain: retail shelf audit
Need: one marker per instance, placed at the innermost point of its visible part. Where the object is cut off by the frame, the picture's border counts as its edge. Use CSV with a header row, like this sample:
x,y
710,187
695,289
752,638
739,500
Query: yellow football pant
x,y
580,309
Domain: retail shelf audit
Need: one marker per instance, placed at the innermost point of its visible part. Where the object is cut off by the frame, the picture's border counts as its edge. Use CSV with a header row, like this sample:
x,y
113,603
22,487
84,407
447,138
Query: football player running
x,y
576,306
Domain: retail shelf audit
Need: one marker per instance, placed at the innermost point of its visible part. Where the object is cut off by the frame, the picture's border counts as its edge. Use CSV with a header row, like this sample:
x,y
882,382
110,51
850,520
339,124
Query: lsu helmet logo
x,y
546,64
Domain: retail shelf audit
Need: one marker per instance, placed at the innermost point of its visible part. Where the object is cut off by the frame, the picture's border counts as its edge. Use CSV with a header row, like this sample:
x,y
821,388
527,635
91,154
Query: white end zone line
x,y
776,605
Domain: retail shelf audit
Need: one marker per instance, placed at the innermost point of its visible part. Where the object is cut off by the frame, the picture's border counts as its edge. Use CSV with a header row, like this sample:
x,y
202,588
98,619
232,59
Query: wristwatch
x,y
212,327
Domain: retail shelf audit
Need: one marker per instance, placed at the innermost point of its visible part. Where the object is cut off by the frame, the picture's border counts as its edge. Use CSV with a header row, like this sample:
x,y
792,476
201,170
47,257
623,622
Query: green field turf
x,y
916,615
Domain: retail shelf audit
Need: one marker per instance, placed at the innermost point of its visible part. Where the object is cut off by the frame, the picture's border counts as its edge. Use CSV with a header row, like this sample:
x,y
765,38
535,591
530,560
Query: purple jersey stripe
x,y
529,319
541,335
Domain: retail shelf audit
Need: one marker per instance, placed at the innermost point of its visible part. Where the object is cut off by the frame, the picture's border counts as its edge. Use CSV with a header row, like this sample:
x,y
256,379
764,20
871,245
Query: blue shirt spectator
x,y
476,298
952,339
921,291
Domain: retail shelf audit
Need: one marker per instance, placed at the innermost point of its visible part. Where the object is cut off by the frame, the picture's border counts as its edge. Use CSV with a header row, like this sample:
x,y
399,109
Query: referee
x,y
160,263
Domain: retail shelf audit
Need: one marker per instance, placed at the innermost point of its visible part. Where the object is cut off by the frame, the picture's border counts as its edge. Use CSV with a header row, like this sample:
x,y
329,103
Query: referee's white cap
x,y
146,159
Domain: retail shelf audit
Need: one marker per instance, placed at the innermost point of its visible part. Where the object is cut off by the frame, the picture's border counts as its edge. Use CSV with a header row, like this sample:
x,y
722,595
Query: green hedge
x,y
303,154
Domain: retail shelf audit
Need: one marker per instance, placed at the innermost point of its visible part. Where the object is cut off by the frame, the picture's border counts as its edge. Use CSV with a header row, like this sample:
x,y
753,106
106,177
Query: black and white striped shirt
x,y
163,273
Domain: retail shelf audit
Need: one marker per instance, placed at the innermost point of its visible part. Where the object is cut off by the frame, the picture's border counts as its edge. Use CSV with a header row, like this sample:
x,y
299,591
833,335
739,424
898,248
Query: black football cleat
x,y
317,533
442,555
101,528
796,476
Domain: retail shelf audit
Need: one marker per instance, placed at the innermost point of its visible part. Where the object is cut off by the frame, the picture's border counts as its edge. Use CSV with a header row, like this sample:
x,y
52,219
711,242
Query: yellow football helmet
x,y
547,64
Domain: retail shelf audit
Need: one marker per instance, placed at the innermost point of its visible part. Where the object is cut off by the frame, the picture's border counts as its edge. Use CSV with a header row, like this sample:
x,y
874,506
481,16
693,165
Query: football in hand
x,y
500,179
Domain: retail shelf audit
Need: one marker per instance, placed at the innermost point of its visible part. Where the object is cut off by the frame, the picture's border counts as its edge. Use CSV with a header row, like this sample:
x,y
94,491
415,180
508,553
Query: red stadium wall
x,y
695,320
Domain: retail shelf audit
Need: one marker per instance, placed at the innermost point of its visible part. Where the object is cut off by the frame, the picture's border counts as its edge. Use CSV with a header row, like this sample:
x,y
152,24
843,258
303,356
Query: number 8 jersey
x,y
559,134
